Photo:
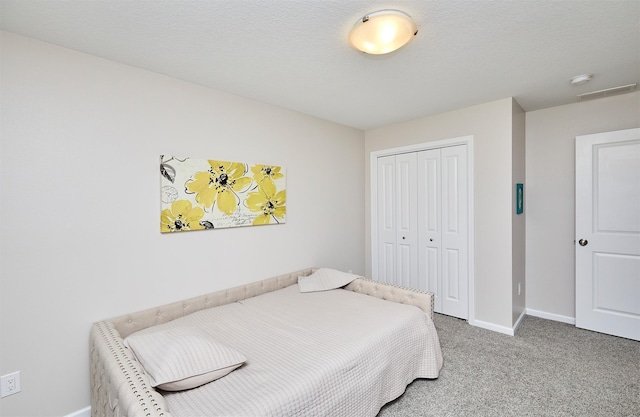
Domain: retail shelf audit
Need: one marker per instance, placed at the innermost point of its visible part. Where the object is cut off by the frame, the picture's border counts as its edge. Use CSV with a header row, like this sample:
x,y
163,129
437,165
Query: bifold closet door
x,y
397,261
422,224
443,228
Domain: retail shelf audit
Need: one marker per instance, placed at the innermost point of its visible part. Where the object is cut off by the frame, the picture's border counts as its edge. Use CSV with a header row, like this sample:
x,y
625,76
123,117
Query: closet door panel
x,y
455,231
386,219
430,273
451,191
387,263
429,222
406,234
451,276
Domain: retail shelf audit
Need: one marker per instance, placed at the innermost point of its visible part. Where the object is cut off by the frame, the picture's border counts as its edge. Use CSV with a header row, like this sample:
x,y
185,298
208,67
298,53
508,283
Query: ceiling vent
x,y
607,92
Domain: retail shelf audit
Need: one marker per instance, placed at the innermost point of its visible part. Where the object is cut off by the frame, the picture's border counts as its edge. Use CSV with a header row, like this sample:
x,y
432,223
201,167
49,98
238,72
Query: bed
x,y
292,346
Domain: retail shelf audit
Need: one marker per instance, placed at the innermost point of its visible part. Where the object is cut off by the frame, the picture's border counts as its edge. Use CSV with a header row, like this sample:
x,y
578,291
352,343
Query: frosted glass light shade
x,y
382,32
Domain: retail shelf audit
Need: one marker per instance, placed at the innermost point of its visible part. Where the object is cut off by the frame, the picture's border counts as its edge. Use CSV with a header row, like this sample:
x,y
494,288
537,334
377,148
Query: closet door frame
x,y
373,164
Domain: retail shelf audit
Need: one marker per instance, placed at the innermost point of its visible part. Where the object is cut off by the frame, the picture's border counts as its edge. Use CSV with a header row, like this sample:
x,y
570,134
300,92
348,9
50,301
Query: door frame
x,y
373,165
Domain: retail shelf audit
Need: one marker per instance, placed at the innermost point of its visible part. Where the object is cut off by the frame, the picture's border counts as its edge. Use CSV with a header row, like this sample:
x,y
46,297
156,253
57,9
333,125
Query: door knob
x,y
583,242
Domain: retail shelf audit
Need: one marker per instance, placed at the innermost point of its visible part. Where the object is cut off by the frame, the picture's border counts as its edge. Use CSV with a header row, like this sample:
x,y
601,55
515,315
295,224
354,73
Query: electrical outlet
x,y
9,384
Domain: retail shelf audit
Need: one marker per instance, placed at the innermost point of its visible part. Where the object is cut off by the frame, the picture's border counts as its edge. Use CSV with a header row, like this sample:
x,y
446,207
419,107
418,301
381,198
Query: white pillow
x,y
325,279
182,358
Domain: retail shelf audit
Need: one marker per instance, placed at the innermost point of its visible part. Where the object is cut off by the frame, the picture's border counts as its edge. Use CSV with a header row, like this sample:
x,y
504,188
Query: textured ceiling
x,y
295,53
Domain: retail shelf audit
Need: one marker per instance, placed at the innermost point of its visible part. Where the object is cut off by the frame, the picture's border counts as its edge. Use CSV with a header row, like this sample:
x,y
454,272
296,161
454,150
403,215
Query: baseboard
x,y
493,327
551,316
85,412
515,326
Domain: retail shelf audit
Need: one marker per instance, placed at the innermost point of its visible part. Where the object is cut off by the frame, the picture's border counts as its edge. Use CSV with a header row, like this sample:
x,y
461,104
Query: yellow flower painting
x,y
199,194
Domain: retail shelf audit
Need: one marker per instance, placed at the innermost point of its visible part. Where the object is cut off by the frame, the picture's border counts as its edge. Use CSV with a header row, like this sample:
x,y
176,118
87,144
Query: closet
x,y
420,224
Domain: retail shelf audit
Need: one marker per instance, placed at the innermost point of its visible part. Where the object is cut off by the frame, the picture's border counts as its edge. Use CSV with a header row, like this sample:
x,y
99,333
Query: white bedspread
x,y
333,353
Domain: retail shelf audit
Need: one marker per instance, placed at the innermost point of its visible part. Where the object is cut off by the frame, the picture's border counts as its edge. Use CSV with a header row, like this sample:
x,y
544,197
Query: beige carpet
x,y
547,369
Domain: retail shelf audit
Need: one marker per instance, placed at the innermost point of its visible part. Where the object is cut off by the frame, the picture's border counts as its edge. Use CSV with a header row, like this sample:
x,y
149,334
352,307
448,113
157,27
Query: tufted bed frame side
x,y
119,385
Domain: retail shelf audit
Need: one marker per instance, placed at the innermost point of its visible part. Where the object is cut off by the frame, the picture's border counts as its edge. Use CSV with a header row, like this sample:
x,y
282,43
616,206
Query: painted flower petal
x,y
268,188
207,197
265,180
262,219
275,173
242,183
180,207
166,221
199,182
256,201
280,212
194,215
258,172
227,202
202,187
281,198
235,170
166,217
219,166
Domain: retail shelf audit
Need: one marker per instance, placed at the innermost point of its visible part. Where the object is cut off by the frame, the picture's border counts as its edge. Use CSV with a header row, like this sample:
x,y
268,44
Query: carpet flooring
x,y
547,369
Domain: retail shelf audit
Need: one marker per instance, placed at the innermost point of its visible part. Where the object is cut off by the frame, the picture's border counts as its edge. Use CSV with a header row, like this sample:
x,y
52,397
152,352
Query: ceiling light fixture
x,y
382,32
581,79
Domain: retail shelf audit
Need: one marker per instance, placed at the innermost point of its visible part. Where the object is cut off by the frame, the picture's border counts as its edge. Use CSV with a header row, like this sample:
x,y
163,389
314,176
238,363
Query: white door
x,y
386,208
397,230
407,229
608,233
455,268
429,223
443,228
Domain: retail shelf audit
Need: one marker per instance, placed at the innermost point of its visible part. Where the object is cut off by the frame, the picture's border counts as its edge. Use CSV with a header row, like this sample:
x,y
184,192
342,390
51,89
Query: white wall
x,y
491,127
518,225
80,240
549,195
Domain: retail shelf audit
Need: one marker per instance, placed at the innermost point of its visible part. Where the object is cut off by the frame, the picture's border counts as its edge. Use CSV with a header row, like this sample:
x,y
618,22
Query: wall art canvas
x,y
200,194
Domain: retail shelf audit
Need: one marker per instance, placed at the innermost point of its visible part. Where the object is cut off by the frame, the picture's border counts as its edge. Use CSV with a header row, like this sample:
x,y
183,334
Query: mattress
x,y
330,353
